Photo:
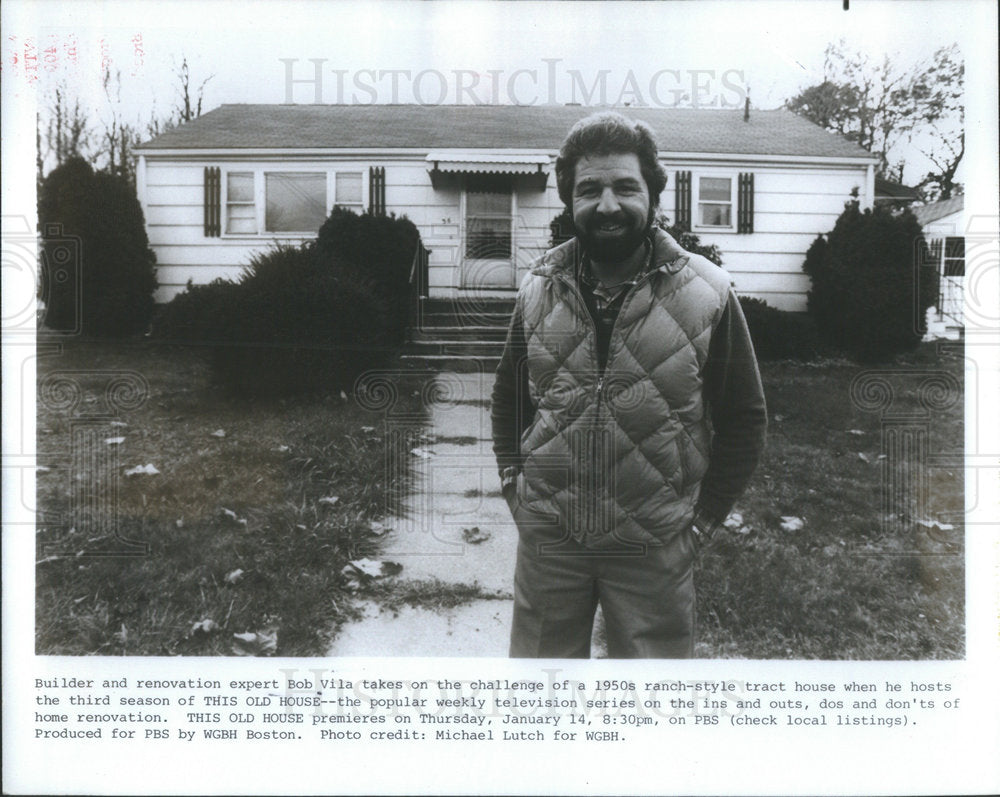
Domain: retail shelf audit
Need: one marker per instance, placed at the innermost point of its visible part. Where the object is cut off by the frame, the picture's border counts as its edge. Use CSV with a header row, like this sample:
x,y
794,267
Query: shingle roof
x,y
775,132
890,189
938,210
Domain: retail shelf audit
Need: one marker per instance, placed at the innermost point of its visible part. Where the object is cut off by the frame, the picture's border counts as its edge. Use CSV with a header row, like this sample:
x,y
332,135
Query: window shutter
x,y
213,201
682,200
376,188
744,211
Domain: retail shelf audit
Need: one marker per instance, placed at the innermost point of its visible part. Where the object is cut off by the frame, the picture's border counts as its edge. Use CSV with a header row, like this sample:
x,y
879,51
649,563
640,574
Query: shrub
x,y
304,318
871,283
779,335
102,282
561,229
376,251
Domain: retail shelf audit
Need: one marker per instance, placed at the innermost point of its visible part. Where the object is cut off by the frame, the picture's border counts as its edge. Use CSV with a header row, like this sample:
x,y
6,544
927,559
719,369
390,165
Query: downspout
x,y
869,198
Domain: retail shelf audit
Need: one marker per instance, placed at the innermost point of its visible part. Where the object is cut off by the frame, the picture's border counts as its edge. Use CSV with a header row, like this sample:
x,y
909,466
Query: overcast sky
x,y
653,53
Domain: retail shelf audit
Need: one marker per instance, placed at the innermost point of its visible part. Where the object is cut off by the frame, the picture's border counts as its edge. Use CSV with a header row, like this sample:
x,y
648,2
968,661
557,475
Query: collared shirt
x,y
605,302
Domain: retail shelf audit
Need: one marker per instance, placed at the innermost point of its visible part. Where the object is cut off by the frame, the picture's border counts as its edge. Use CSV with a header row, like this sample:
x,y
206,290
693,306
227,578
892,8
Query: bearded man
x,y
628,413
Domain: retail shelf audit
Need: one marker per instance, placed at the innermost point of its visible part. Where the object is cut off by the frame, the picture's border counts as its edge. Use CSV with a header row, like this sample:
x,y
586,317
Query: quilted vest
x,y
619,456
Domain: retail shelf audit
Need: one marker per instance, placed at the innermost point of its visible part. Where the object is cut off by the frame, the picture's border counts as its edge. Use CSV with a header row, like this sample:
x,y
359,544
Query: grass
x,y
859,581
247,501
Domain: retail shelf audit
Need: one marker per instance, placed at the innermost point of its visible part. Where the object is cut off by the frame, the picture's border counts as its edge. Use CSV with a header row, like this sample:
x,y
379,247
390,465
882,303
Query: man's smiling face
x,y
612,212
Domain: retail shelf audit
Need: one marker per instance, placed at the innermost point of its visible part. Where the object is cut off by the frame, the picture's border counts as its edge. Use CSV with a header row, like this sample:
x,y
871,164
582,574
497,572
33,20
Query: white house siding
x,y
793,204
173,203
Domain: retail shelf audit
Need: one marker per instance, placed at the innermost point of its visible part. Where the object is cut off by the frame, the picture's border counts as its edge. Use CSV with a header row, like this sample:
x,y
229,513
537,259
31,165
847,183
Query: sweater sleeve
x,y
511,409
735,398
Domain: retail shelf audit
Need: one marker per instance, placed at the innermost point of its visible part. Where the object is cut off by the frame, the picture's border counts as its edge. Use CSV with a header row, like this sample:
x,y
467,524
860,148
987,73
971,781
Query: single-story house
x,y
943,226
478,182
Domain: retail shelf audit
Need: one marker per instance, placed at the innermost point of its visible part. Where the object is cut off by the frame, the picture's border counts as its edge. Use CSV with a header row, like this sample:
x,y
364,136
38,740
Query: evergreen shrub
x,y
871,283
780,335
304,318
97,271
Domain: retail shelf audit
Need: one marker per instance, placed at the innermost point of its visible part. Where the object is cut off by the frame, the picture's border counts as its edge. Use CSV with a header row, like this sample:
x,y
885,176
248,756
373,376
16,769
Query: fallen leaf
x,y
142,470
934,525
229,513
261,643
779,417
114,441
863,457
343,396
790,523
234,576
41,469
734,521
207,626
855,432
282,449
475,535
367,429
361,571
219,433
330,500
118,423
423,453
179,522
377,528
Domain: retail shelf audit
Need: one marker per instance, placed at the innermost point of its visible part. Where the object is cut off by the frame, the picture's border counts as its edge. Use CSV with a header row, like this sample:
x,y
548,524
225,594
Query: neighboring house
x,y
478,182
894,194
942,223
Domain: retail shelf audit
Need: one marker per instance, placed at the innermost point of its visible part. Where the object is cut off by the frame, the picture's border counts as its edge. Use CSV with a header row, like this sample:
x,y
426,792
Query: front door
x,y
488,250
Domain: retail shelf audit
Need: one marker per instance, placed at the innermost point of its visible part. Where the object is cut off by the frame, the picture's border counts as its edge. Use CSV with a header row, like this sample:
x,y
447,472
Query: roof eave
x,y
302,152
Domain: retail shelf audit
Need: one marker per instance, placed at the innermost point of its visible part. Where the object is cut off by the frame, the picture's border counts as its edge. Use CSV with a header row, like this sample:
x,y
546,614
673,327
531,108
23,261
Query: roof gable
x,y
938,210
678,130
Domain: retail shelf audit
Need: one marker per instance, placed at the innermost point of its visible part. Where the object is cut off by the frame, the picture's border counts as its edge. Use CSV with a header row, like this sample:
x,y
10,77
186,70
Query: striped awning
x,y
487,163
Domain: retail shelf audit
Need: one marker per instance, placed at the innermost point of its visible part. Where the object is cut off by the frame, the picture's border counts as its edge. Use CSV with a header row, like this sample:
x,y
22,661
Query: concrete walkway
x,y
453,530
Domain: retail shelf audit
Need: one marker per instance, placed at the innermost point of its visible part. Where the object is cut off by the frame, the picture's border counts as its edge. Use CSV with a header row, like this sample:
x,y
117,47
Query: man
x,y
628,412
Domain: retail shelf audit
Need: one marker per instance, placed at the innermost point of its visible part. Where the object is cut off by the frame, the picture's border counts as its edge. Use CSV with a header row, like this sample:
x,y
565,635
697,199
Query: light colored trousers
x,y
646,594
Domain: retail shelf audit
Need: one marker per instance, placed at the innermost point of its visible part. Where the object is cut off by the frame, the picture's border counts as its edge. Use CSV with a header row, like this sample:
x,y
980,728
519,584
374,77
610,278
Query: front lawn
x,y
876,570
256,508
254,512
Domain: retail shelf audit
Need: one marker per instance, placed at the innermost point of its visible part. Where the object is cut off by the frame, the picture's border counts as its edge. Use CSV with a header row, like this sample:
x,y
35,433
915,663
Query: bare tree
x,y
189,100
119,137
62,130
881,104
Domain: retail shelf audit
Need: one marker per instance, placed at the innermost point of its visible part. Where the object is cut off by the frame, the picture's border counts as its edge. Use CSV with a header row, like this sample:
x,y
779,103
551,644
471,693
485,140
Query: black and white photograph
x,y
410,384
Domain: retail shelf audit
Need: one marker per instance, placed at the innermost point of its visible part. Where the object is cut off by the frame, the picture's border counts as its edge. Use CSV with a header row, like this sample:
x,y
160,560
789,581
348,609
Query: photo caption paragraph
x,y
325,705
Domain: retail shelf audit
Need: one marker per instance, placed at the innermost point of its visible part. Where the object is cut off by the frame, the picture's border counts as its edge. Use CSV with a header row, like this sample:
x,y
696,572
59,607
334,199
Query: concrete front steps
x,y
459,334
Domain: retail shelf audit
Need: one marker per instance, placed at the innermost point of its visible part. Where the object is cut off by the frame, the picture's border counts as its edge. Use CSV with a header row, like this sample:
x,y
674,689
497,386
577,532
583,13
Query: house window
x,y
294,201
715,202
488,222
241,210
265,201
347,190
954,257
